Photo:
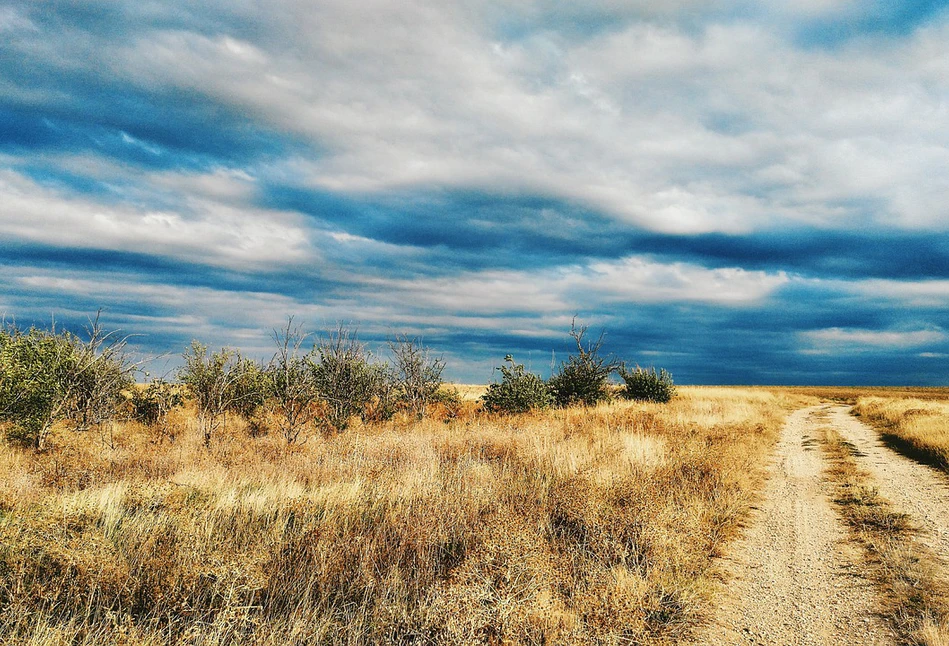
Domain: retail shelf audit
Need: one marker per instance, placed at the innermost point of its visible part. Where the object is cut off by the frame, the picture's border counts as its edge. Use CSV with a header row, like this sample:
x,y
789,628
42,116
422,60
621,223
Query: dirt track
x,y
912,488
794,578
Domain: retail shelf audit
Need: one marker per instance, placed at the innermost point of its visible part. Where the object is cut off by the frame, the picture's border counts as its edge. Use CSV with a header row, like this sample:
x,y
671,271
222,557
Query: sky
x,y
739,192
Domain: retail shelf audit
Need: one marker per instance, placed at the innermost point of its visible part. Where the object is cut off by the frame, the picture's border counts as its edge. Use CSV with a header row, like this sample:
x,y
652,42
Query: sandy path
x,y
793,578
910,487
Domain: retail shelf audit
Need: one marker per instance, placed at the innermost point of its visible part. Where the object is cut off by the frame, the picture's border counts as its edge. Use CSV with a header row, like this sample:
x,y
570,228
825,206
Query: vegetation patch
x,y
645,384
564,526
519,391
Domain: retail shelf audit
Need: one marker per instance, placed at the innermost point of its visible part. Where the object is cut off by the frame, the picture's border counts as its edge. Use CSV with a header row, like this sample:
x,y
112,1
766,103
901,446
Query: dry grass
x,y
916,427
576,526
915,595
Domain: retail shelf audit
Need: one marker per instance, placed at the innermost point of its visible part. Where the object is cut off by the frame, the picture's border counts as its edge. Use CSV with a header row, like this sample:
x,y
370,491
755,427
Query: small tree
x,y
385,393
647,384
46,376
291,384
418,374
211,380
584,377
37,382
345,379
249,388
519,391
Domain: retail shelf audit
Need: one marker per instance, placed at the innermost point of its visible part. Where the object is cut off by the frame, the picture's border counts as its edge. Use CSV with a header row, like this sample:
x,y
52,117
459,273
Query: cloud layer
x,y
741,192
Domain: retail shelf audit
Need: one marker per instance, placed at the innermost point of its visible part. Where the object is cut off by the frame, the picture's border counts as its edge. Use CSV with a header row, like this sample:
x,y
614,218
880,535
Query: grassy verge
x,y
575,526
916,428
915,592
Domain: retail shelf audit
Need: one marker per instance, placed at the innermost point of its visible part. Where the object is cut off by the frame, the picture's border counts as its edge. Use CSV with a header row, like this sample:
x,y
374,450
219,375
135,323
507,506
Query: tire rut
x,y
912,488
794,578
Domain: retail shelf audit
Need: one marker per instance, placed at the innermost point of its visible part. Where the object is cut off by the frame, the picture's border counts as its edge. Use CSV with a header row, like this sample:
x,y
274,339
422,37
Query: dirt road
x,y
794,578
911,488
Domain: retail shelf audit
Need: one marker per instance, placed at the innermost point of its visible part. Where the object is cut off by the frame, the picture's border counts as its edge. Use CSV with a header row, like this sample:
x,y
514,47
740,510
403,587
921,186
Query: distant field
x,y
851,394
572,526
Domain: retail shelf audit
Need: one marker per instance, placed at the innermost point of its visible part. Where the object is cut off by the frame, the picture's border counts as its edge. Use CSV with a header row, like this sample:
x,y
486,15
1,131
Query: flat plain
x,y
729,515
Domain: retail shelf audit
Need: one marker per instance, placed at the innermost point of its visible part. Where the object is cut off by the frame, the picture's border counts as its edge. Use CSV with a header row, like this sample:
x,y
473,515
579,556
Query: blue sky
x,y
739,192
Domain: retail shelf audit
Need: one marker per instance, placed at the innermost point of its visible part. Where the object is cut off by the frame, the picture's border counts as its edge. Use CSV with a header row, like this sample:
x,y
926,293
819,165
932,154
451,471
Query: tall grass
x,y
571,526
916,427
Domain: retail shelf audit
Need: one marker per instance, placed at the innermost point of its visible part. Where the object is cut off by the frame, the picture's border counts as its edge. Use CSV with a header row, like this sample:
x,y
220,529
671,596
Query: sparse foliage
x,y
584,378
102,384
211,380
291,383
385,393
151,404
345,379
519,391
643,384
249,389
418,374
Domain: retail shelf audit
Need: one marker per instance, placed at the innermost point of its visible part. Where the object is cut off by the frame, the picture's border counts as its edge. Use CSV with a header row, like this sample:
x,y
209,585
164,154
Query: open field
x,y
574,526
716,518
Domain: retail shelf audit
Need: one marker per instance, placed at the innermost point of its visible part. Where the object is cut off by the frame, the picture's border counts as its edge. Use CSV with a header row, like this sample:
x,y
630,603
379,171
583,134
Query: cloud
x,y
723,185
875,338
203,228
917,294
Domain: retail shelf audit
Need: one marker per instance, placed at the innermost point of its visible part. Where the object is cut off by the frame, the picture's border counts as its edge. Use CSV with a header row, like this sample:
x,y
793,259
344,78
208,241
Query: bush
x,y
47,376
249,388
291,386
584,378
150,405
519,391
213,381
344,378
103,379
418,374
385,393
648,385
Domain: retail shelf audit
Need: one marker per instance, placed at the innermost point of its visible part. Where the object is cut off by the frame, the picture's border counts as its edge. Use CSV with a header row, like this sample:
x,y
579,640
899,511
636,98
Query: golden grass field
x,y
572,526
914,426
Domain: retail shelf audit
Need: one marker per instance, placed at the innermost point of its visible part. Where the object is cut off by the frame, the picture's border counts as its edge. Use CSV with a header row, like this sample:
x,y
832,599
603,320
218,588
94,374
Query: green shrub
x,y
103,379
249,388
385,393
47,376
647,384
518,391
214,383
292,389
152,404
584,378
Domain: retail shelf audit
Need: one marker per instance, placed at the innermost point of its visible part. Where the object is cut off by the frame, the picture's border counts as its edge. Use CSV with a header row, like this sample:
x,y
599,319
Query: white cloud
x,y
838,337
725,128
200,228
912,293
563,290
